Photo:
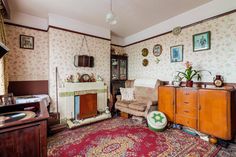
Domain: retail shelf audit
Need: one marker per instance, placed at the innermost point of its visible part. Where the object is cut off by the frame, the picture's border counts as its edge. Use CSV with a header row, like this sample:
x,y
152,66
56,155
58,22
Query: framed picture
x,y
176,53
202,41
157,49
26,42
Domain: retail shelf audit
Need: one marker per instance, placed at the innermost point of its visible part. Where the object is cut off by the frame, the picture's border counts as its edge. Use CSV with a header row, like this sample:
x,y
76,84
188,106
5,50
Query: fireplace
x,y
85,105
82,100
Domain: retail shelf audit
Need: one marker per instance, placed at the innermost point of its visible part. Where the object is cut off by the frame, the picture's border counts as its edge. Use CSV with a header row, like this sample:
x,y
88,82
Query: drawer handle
x,y
186,102
186,93
186,111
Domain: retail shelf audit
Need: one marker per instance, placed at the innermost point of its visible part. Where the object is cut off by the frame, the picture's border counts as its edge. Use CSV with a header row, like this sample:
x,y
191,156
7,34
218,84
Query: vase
x,y
189,83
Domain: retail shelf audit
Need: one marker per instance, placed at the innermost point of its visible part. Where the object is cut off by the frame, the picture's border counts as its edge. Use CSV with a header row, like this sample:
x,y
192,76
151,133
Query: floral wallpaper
x,y
56,48
26,64
220,59
64,45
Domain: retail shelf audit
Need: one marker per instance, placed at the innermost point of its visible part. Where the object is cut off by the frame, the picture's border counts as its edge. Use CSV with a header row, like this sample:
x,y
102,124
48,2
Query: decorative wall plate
x,y
145,62
144,52
157,50
176,30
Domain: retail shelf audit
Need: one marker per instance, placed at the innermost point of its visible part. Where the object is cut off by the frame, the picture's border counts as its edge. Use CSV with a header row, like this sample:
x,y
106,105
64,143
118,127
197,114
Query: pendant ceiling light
x,y
111,17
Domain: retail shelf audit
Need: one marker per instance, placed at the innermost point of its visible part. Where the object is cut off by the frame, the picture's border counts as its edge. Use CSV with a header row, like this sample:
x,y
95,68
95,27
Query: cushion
x,y
123,103
127,94
138,106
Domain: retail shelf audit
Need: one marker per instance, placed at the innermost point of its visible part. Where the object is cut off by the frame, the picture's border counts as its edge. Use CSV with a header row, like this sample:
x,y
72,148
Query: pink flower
x,y
188,64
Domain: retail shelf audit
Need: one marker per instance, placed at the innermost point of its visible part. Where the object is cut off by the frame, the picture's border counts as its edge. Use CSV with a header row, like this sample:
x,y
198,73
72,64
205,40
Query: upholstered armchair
x,y
144,97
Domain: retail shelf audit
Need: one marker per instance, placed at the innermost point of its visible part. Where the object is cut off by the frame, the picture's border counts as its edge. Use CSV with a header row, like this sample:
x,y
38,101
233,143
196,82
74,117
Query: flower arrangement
x,y
190,73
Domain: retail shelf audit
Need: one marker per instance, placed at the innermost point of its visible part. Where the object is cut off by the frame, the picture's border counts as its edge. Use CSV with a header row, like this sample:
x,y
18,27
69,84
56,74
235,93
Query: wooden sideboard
x,y
211,111
24,138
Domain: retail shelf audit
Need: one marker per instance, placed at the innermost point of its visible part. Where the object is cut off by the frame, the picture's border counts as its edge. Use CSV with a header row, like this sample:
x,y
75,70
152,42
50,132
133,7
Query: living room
x,y
104,70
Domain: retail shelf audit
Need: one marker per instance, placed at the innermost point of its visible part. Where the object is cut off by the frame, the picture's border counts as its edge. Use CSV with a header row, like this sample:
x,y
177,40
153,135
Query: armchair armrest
x,y
149,104
118,97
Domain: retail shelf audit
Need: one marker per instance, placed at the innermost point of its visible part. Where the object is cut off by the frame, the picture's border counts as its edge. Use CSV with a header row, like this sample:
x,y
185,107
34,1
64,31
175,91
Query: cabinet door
x,y
24,142
214,113
123,69
114,69
166,97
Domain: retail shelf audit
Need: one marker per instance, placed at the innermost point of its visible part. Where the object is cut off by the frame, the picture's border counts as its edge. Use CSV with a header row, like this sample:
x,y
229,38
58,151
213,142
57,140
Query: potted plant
x,y
190,73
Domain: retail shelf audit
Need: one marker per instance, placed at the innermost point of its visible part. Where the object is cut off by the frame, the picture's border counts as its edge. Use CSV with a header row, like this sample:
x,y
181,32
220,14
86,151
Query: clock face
x,y
85,78
218,83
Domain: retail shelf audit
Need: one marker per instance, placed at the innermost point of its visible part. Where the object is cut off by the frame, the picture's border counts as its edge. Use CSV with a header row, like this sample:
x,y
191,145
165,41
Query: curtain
x,y
3,60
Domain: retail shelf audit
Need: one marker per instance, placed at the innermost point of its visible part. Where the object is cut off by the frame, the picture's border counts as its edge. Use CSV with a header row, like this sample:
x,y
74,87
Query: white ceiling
x,y
133,15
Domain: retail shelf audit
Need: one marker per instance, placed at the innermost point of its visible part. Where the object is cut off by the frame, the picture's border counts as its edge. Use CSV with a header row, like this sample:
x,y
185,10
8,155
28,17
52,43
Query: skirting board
x,y
88,120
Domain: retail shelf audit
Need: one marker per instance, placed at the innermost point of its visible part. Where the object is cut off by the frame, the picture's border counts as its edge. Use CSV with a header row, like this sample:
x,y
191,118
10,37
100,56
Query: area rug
x,y
122,137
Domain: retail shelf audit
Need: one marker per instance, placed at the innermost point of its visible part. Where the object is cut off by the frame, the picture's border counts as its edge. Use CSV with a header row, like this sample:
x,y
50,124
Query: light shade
x,y
111,18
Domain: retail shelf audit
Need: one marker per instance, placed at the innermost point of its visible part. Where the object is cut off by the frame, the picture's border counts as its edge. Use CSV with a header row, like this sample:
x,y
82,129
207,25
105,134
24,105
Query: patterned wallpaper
x,y
55,48
64,45
25,64
220,59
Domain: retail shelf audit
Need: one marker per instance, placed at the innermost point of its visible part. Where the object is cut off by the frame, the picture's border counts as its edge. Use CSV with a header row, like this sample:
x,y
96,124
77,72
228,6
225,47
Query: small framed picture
x,y
157,49
26,42
176,53
202,41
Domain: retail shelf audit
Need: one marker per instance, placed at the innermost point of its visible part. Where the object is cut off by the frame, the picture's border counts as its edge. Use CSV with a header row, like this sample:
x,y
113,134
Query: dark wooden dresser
x,y
24,138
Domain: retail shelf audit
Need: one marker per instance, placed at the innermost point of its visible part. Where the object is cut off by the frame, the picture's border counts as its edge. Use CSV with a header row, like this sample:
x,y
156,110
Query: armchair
x,y
145,97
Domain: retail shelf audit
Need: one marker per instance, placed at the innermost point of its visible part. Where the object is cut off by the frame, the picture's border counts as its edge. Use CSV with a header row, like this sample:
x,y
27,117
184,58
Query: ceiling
x,y
133,15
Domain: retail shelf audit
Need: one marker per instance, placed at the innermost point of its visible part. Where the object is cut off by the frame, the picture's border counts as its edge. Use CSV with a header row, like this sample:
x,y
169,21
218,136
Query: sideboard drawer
x,y
186,97
186,111
186,121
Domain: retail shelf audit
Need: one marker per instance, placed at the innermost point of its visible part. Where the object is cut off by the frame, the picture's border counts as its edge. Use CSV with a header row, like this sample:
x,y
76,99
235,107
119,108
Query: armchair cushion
x,y
123,103
127,94
138,106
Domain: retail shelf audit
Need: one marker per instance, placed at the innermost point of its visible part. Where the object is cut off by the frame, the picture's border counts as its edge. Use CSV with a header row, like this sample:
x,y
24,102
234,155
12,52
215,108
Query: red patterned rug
x,y
122,137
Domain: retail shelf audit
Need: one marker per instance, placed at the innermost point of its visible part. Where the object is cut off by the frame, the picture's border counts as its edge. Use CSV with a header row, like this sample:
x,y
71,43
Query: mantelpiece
x,y
209,110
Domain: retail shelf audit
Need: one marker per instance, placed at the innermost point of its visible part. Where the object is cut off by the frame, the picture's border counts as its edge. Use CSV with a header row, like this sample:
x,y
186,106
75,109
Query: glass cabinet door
x,y
123,64
115,69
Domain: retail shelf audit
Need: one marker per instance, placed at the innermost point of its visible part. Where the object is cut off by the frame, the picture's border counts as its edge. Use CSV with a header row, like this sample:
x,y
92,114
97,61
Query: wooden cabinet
x,y
166,101
24,141
24,138
211,111
119,70
214,113
119,74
